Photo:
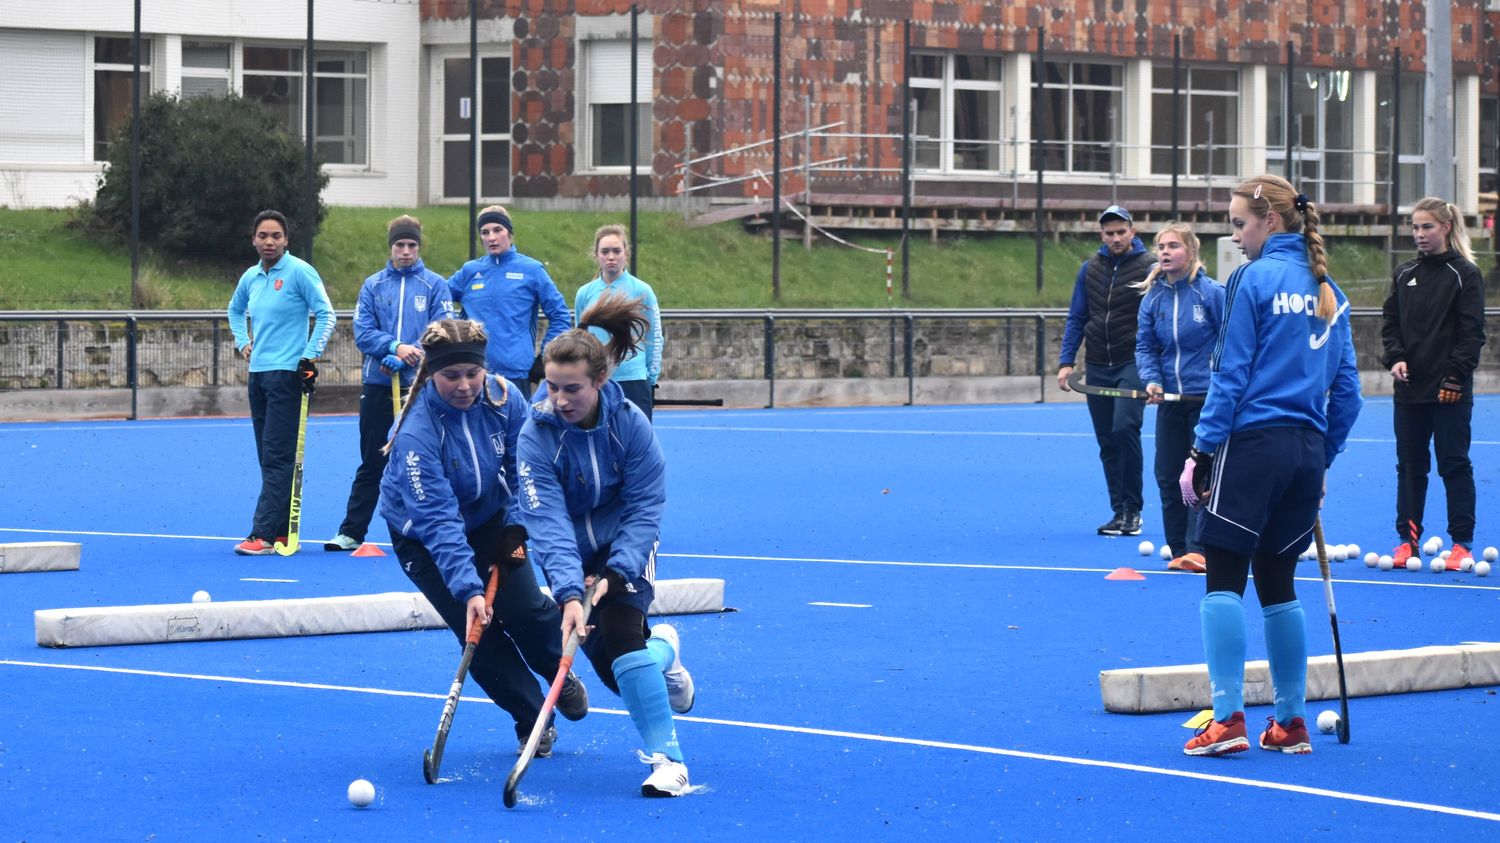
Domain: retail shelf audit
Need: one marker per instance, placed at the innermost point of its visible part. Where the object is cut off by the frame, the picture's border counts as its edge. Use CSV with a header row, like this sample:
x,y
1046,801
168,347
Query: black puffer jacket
x,y
1434,321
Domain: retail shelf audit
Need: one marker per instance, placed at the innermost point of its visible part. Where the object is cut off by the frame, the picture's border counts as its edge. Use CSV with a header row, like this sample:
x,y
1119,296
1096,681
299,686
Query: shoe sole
x,y
1228,747
1111,532
266,552
574,715
330,546
657,793
1293,749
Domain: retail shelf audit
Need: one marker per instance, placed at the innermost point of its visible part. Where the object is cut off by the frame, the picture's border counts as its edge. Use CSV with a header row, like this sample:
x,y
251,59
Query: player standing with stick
x,y
395,306
446,495
636,374
593,487
1283,394
1432,334
277,295
1178,323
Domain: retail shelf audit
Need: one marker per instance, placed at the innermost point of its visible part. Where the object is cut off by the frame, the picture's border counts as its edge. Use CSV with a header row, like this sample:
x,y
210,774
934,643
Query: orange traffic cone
x,y
1116,574
371,549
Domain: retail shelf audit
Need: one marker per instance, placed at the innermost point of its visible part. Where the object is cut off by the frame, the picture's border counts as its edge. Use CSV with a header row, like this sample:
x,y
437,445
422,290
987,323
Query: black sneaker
x,y
573,702
1130,524
543,746
1113,527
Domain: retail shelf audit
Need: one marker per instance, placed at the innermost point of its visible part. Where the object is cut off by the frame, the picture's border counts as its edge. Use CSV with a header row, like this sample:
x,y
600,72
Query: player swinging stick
x,y
1283,394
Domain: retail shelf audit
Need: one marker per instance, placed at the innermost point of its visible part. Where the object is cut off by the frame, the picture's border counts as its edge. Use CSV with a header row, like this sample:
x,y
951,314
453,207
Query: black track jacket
x,y
1434,320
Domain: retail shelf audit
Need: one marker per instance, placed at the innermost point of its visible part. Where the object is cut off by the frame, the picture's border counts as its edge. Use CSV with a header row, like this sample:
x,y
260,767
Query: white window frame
x,y
228,74
946,85
1232,96
645,71
1069,86
347,135
436,102
239,72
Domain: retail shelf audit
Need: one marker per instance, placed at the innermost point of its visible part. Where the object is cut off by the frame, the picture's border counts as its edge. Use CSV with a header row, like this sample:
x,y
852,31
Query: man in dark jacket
x,y
1106,301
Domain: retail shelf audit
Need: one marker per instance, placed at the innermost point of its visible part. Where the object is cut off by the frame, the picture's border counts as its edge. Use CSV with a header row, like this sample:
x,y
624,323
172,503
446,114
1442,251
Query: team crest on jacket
x,y
277,285
420,303
498,440
1198,314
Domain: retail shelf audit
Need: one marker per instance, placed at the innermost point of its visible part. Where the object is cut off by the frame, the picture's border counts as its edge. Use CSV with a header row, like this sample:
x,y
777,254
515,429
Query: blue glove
x,y
392,362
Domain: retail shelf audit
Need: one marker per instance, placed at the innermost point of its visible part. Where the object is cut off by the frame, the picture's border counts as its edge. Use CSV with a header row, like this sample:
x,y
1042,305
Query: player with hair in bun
x,y
1283,394
593,489
1431,337
448,496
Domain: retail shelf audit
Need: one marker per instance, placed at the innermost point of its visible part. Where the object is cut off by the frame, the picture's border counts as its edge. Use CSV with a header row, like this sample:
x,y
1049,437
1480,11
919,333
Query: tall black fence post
x,y
776,163
635,128
1038,110
135,162
309,131
1395,194
1176,117
473,126
906,159
1286,113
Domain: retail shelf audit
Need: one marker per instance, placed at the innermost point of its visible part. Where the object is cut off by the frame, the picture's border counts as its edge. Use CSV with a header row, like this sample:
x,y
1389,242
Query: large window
x,y
1405,138
1209,120
205,68
1077,123
114,69
1320,118
957,100
494,126
1489,136
341,102
607,92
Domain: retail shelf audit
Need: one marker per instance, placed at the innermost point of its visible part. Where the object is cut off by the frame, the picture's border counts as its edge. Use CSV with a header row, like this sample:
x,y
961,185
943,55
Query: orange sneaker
x,y
1291,738
1221,737
1193,563
255,546
1403,552
1458,556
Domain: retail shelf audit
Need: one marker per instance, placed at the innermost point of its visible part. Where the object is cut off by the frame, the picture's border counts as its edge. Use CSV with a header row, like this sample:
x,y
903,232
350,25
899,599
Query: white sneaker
x,y
680,691
341,542
668,777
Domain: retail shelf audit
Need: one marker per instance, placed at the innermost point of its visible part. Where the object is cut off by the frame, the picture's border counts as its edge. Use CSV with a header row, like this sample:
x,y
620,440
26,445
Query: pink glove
x,y
1193,481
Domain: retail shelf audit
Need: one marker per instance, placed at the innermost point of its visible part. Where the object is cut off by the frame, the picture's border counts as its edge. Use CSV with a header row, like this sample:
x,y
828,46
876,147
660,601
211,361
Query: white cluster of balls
x,y
1336,552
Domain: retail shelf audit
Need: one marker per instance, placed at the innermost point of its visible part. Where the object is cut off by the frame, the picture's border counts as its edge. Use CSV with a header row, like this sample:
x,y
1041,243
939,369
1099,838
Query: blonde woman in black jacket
x,y
1431,336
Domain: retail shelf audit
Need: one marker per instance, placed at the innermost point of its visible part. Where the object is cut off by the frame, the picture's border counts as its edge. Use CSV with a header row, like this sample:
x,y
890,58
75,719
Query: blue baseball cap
x,y
1114,211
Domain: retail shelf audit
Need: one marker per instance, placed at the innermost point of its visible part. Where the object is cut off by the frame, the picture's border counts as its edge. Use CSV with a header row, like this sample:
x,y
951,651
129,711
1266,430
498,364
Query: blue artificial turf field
x,y
922,619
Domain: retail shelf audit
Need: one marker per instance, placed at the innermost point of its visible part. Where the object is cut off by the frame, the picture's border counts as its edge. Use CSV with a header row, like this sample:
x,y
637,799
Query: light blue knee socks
x,y
1286,647
1223,617
644,690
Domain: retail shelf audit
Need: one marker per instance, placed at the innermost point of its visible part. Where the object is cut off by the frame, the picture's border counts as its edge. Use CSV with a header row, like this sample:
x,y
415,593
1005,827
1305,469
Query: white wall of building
x,y
47,81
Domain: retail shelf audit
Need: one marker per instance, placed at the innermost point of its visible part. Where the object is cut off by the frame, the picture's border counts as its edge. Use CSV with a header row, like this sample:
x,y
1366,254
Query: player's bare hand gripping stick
x,y
563,666
432,759
1333,618
294,518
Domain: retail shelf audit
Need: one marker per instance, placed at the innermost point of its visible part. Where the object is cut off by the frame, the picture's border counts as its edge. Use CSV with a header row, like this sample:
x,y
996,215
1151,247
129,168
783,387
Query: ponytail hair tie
x,y
1301,203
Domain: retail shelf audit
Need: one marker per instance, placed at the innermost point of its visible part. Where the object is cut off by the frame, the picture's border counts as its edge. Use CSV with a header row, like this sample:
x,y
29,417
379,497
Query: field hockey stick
x,y
396,395
1333,619
1075,383
688,402
432,758
564,665
294,519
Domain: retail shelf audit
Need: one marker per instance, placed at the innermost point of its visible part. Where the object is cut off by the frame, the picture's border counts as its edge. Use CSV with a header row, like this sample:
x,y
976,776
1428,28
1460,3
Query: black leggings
x,y
1227,571
619,628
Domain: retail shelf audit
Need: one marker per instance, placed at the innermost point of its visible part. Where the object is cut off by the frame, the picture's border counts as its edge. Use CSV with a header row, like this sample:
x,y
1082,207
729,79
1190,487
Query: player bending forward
x,y
1283,394
593,486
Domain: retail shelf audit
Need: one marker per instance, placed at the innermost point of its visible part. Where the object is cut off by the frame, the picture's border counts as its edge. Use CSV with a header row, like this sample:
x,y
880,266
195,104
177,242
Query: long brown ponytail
x,y
1271,194
624,319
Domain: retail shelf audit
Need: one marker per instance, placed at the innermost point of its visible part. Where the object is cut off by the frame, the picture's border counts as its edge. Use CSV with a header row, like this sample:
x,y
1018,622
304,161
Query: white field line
x,y
834,733
981,566
842,605
264,579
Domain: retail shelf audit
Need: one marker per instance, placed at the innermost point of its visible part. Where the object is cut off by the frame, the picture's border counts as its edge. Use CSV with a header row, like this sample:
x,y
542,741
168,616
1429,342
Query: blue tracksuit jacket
x,y
450,471
1175,333
583,489
504,293
642,365
277,302
395,306
1276,364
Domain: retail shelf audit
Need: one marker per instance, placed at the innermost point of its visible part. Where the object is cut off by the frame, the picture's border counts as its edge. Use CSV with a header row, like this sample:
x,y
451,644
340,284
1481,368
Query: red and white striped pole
x,y
888,258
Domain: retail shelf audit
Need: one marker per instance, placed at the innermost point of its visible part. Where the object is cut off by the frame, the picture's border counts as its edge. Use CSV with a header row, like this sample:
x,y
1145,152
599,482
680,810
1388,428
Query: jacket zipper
x,y
1109,297
473,455
1176,343
588,518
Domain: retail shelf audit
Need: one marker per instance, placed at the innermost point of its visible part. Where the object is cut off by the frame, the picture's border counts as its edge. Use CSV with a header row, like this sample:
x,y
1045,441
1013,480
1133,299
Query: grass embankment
x,y
46,264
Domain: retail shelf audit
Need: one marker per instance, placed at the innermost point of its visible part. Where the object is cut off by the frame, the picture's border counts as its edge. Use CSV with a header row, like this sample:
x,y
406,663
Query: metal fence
x,y
887,349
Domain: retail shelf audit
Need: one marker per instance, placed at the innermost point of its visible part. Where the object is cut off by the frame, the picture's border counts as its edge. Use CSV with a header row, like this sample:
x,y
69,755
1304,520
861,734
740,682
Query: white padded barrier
x,y
391,612
23,557
1185,687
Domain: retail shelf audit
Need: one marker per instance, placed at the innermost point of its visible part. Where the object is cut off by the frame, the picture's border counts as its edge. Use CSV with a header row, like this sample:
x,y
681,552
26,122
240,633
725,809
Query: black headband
x,y
494,217
443,355
406,231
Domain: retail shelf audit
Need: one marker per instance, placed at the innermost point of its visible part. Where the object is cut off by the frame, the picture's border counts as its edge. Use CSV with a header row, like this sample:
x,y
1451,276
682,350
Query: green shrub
x,y
208,166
